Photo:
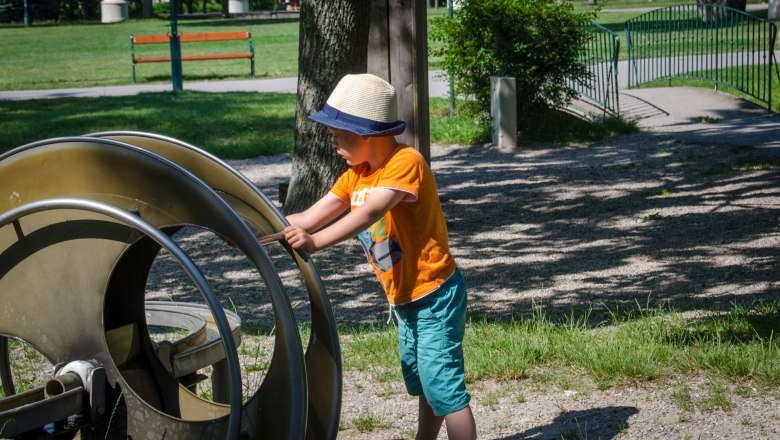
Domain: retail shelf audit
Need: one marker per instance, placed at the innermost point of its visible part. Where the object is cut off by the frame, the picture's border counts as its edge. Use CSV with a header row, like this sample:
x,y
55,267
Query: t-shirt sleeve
x,y
342,188
404,172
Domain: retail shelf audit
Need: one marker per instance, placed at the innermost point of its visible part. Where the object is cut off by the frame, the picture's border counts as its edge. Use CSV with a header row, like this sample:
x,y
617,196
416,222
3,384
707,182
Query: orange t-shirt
x,y
408,246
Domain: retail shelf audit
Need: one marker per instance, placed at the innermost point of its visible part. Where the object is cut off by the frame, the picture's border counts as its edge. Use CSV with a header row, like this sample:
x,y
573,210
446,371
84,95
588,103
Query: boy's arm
x,y
358,220
322,212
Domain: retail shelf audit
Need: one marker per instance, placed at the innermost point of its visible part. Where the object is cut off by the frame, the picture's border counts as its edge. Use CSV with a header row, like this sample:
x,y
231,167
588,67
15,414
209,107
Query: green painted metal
x,y
176,72
132,56
600,58
704,42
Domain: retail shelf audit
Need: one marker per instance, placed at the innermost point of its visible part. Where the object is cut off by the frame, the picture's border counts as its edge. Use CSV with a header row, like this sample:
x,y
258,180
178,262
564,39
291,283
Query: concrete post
x,y
113,11
773,11
503,109
238,6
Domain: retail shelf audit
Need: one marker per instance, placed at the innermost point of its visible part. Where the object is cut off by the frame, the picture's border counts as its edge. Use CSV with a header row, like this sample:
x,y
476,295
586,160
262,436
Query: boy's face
x,y
351,147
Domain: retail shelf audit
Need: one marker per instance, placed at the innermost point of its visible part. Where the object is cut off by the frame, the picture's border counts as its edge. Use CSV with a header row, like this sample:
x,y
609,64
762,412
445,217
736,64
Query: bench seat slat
x,y
215,56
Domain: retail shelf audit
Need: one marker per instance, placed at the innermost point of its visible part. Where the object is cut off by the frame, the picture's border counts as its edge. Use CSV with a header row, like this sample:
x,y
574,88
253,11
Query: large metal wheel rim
x,y
130,220
290,350
324,338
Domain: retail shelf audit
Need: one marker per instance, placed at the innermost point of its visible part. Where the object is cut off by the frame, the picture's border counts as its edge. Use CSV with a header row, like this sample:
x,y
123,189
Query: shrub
x,y
535,41
12,11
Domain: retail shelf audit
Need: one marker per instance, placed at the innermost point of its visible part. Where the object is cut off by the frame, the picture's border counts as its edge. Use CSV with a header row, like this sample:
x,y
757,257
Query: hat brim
x,y
355,124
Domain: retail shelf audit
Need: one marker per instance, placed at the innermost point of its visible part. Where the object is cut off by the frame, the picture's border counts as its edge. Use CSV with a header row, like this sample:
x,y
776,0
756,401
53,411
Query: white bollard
x,y
773,11
113,11
238,6
503,109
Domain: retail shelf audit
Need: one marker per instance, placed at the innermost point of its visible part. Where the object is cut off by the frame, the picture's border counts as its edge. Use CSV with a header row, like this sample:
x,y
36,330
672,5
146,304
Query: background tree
x,y
333,43
537,42
736,4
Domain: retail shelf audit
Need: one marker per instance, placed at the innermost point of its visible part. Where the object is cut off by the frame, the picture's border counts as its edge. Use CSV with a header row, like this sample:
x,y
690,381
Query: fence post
x,y
503,109
773,12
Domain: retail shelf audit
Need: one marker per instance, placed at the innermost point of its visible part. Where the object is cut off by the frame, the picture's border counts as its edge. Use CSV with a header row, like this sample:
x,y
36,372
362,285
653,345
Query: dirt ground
x,y
643,218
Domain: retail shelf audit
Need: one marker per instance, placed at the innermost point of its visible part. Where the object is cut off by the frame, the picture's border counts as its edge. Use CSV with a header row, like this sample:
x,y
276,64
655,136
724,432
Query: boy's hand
x,y
299,238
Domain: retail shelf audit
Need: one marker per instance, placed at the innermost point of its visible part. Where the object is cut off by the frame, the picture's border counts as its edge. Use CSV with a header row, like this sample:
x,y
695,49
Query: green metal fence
x,y
704,42
600,57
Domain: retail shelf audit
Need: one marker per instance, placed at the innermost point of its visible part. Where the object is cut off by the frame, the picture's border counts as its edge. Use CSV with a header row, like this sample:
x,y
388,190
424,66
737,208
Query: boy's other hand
x,y
299,238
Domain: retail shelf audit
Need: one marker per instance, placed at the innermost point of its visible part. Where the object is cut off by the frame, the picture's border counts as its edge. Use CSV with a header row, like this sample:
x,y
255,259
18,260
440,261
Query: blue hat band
x,y
335,118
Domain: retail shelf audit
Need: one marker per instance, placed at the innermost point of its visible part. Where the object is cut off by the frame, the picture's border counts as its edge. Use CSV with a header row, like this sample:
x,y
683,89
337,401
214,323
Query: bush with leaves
x,y
535,41
12,11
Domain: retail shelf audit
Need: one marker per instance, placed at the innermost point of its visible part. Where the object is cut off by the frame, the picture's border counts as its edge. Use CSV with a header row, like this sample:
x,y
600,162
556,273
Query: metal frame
x,y
134,179
705,42
600,57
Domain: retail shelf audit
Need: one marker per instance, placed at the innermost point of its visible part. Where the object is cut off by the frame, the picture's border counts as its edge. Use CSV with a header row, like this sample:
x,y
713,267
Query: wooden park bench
x,y
193,38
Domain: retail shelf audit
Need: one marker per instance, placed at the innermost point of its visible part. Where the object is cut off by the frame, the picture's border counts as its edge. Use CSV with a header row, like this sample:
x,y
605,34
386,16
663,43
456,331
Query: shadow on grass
x,y
229,125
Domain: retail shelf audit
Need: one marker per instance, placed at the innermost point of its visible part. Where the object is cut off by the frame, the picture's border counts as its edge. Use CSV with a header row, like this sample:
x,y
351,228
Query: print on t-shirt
x,y
386,253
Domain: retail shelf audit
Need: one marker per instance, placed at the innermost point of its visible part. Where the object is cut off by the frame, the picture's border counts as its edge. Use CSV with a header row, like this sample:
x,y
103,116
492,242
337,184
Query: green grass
x,y
229,125
731,348
232,125
91,54
563,127
459,129
637,346
46,56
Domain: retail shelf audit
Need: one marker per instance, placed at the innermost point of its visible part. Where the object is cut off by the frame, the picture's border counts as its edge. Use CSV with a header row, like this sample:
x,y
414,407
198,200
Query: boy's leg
x,y
461,425
428,423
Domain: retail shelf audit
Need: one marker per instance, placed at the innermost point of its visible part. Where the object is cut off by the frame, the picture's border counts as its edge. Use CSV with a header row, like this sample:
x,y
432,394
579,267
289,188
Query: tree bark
x,y
709,14
333,43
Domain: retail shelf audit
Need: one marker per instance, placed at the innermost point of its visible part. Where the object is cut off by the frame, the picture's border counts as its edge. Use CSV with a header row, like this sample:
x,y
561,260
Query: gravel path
x,y
637,218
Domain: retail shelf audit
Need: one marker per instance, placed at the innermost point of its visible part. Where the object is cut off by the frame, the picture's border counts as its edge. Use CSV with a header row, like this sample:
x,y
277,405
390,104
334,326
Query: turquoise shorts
x,y
430,336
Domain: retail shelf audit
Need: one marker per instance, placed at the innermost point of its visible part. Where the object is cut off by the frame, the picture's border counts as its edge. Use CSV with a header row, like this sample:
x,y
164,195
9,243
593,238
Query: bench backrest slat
x,y
150,39
214,36
192,38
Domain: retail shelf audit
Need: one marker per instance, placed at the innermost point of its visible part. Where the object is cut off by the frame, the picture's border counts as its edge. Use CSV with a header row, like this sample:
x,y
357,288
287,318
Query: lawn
x,y
46,56
92,54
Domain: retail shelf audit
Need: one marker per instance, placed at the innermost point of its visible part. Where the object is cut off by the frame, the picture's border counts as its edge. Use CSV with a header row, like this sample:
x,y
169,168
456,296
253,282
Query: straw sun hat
x,y
363,104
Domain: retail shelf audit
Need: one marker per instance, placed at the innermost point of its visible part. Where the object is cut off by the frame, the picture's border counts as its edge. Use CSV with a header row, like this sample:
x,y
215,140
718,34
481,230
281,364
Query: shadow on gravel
x,y
601,423
634,221
638,220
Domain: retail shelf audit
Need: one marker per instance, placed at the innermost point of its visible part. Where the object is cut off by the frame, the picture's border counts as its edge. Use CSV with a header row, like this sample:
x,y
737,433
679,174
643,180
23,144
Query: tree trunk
x,y
333,43
710,14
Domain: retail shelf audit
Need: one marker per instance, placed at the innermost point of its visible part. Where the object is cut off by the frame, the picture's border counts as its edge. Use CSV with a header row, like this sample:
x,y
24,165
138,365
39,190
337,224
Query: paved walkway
x,y
437,84
696,114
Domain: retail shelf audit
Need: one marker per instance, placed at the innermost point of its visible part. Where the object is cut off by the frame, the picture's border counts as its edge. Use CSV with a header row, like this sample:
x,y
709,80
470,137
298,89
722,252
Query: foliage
x,y
458,129
535,41
263,5
12,11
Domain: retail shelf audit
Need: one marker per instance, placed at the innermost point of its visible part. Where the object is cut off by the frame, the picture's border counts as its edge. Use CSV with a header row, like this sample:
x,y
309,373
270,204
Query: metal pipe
x,y
61,384
270,238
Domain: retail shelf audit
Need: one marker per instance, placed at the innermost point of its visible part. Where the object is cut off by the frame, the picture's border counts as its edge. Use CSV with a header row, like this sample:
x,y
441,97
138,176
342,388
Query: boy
x,y
396,214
